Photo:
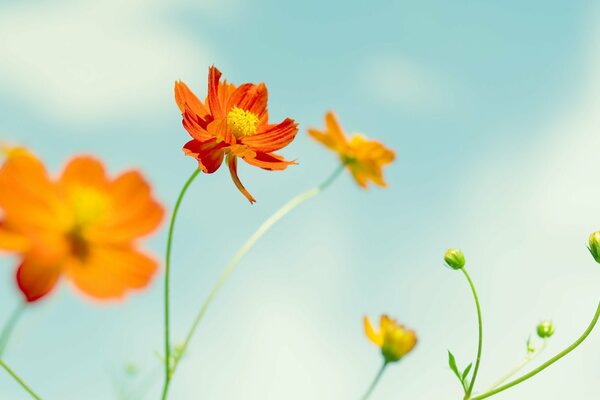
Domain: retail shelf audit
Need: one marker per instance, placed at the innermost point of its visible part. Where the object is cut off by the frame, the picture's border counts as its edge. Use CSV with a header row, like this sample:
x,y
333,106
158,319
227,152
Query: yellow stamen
x,y
241,122
89,205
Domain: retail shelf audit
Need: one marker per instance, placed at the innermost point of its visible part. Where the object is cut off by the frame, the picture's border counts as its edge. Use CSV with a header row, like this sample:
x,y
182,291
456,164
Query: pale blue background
x,y
492,107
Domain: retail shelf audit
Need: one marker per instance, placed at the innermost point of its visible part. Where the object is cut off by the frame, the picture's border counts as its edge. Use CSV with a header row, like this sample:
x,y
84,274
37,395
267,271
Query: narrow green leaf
x,y
452,364
466,372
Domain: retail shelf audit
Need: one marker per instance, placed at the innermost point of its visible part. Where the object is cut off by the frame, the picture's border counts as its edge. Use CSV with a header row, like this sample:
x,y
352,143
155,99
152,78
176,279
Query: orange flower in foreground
x,y
393,338
364,158
83,226
232,123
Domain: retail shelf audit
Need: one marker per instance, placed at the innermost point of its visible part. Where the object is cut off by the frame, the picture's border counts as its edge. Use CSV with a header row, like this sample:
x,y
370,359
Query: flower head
x,y
82,226
364,158
545,329
394,339
233,123
454,258
594,246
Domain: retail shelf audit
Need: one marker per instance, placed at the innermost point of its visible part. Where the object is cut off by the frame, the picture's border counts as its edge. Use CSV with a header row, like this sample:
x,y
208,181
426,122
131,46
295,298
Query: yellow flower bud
x,y
594,246
454,258
545,329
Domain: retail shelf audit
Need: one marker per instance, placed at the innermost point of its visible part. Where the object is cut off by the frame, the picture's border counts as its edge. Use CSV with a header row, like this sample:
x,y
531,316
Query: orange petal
x,y
12,241
232,162
373,336
251,98
214,103
36,278
209,154
110,272
268,161
29,200
196,127
134,211
333,137
84,171
185,98
273,138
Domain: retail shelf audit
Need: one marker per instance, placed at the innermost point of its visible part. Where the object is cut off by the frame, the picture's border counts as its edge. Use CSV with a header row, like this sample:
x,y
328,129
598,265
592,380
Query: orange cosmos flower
x,y
364,158
393,338
83,226
232,123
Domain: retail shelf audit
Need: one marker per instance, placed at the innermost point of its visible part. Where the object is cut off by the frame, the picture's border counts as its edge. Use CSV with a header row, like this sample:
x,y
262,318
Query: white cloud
x,y
404,82
86,60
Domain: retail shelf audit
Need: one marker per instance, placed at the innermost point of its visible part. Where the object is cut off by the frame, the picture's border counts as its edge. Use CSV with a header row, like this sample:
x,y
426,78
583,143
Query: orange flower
x,y
232,123
83,226
393,338
364,158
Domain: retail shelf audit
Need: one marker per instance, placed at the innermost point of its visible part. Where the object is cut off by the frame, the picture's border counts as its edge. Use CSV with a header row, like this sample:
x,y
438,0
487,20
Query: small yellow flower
x,y
364,158
393,338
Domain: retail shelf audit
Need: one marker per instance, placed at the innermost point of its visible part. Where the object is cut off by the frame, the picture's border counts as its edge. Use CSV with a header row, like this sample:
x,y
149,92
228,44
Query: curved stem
x,y
480,331
19,380
264,228
10,326
526,360
547,363
167,274
375,381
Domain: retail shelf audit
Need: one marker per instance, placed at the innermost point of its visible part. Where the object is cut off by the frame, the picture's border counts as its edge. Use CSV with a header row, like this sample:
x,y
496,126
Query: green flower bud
x,y
454,258
594,246
545,329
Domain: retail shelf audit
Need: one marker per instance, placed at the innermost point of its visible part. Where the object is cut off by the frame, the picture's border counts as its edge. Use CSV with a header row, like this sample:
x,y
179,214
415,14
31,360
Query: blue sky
x,y
492,110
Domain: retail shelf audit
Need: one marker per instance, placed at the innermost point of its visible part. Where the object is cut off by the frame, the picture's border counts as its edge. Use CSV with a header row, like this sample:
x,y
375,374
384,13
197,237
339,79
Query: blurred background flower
x,y
491,106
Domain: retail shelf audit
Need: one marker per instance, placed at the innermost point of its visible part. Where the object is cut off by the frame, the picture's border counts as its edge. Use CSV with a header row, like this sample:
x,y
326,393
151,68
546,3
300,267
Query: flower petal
x,y
29,200
274,137
186,99
333,136
250,97
36,278
269,161
209,154
109,272
84,171
12,241
232,162
214,102
134,212
373,336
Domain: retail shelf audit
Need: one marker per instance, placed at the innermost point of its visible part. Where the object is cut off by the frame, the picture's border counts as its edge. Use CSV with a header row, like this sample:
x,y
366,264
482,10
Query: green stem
x,y
19,380
167,274
480,332
375,381
264,228
528,358
10,326
547,363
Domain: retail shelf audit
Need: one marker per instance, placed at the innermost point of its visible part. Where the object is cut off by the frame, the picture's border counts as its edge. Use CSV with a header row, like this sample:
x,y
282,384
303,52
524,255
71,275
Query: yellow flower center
x,y
241,122
89,205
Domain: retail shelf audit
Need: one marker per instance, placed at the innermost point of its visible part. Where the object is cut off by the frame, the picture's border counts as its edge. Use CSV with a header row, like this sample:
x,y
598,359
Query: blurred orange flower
x,y
83,226
393,338
364,158
232,123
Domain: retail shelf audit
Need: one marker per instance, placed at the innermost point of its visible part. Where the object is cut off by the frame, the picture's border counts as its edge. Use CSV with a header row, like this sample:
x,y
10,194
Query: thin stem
x,y
375,381
480,332
264,228
526,360
547,363
167,274
19,380
10,326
